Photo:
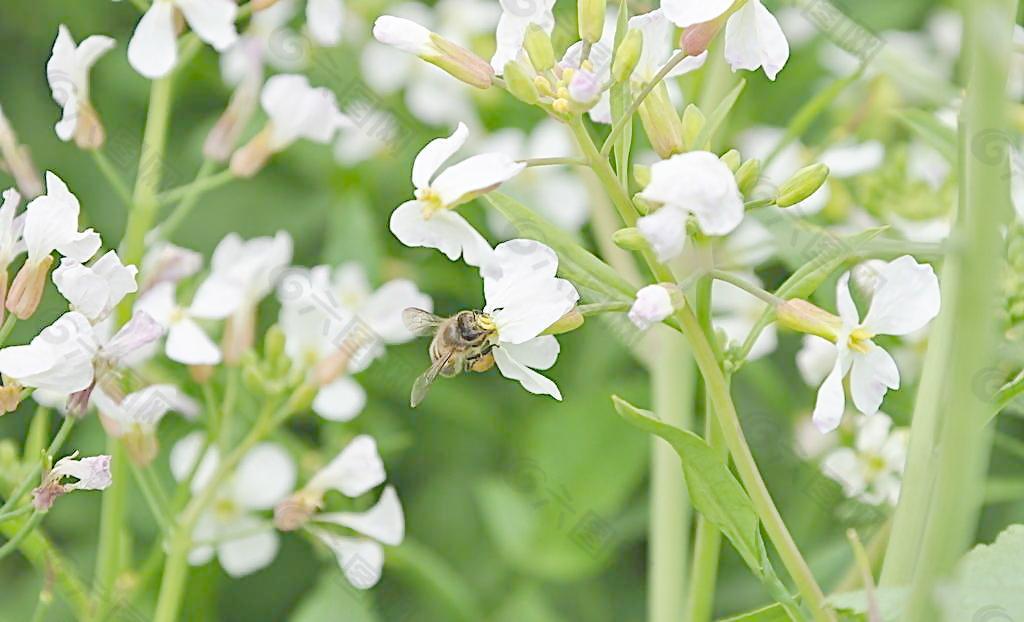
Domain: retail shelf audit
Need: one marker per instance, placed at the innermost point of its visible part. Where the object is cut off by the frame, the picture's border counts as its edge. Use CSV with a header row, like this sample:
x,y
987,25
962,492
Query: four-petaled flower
x,y
153,48
89,474
872,469
67,71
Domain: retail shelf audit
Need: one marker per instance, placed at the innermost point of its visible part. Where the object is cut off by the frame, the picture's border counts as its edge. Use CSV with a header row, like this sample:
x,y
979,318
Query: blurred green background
x,y
518,508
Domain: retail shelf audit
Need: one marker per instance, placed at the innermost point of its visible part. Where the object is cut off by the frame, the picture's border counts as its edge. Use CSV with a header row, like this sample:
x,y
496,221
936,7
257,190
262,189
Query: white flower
x,y
695,183
153,49
524,298
736,312
96,289
871,471
652,305
90,474
759,142
849,159
753,37
339,324
816,358
413,38
231,528
429,220
62,358
906,299
187,343
143,409
67,71
165,262
11,227
658,34
299,110
356,470
515,17
325,19
266,39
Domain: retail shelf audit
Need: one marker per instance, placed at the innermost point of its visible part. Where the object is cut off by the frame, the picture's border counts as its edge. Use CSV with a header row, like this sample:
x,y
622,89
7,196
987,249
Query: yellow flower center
x,y
486,322
431,201
859,339
225,509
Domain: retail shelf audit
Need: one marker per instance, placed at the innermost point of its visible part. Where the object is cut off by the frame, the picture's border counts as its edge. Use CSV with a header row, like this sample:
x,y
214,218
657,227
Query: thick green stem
x,y
950,442
672,385
110,552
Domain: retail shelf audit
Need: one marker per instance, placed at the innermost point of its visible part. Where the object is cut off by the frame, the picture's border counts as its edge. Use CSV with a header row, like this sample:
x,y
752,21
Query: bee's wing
x,y
420,322
427,378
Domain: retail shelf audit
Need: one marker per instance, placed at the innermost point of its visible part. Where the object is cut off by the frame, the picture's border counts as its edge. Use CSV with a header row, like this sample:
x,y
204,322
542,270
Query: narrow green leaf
x,y
712,488
436,579
932,131
718,116
575,262
772,613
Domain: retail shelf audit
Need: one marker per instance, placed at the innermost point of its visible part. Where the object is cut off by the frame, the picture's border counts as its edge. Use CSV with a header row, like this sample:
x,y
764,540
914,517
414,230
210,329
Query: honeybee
x,y
462,342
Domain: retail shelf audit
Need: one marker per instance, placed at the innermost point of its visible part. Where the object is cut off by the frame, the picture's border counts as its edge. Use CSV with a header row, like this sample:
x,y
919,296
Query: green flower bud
x,y
520,84
303,398
693,124
802,184
627,55
804,317
629,239
590,14
273,343
730,158
460,63
568,322
661,123
642,175
747,175
538,48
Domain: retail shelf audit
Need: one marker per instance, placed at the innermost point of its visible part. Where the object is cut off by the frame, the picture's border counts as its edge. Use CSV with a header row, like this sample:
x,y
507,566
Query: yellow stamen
x,y
431,202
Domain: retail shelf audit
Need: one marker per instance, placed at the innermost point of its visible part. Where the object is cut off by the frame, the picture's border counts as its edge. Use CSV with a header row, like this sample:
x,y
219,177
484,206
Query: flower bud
x,y
239,335
520,84
201,374
697,38
252,157
801,185
224,136
629,239
461,63
654,303
27,289
261,5
661,123
10,397
627,55
590,14
89,132
584,88
543,86
538,48
693,125
747,175
642,175
273,344
731,158
568,322
805,317
18,162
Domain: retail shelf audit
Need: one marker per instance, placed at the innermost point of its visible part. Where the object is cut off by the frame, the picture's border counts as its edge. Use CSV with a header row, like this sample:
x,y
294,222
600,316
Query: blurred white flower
x,y
753,37
523,298
95,290
142,410
850,158
695,183
325,19
759,142
11,243
516,15
230,528
91,473
659,39
429,220
872,470
906,299
167,263
652,305
736,312
187,343
817,357
153,48
336,324
67,71
356,470
51,223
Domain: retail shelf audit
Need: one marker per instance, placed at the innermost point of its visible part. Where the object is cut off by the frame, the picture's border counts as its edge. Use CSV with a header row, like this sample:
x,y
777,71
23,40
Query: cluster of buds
x,y
562,88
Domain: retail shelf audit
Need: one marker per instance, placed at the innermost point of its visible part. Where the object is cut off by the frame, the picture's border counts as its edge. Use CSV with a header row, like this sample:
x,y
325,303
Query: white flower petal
x,y
817,356
753,39
844,302
244,555
298,110
340,400
700,183
184,455
513,369
360,559
59,359
384,522
213,21
325,19
665,231
652,305
852,159
685,13
907,297
435,154
403,34
831,401
188,344
446,231
354,471
265,476
383,310
871,375
480,173
153,48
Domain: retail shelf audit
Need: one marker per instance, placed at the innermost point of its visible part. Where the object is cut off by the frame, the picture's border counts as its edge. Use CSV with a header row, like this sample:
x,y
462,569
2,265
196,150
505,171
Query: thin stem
x,y
8,326
598,308
108,170
673,386
747,286
22,533
23,510
553,162
33,475
158,511
863,563
47,560
203,182
627,116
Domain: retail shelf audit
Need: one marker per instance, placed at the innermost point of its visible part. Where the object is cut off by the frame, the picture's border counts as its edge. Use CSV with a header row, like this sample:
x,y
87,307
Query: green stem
x,y
950,441
597,308
25,509
721,400
189,200
627,116
203,182
108,170
553,162
747,286
32,477
110,552
7,327
158,511
672,385
21,534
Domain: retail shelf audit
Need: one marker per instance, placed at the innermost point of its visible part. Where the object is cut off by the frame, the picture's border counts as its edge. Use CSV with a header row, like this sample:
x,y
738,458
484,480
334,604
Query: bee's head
x,y
475,326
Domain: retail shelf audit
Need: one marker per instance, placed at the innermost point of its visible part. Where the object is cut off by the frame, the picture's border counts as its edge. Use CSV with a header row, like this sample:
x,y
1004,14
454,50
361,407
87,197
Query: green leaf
x,y
436,579
331,595
719,114
575,262
772,613
989,582
932,131
712,488
854,605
